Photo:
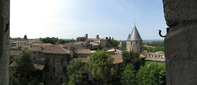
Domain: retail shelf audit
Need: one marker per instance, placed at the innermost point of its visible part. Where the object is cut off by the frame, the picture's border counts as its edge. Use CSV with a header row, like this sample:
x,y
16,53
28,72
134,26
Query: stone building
x,y
57,58
134,41
156,56
96,43
82,38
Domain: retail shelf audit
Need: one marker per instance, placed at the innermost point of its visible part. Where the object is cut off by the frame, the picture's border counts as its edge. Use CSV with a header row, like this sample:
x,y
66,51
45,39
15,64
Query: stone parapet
x,y
181,42
4,41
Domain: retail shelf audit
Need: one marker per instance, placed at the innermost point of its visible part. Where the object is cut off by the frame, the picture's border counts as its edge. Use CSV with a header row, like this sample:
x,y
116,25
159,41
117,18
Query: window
x,y
49,59
61,80
57,61
54,69
51,78
53,60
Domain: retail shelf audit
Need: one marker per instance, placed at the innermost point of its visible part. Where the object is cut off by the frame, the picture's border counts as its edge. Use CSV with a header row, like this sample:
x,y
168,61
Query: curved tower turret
x,y
134,41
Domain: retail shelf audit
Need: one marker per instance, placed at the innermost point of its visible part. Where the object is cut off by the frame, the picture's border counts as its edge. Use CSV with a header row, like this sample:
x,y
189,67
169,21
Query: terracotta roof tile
x,y
35,49
117,58
14,47
42,44
55,49
83,51
15,52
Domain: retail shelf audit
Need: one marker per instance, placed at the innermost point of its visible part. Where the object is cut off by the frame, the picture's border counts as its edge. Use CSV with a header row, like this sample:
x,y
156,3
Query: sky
x,y
75,18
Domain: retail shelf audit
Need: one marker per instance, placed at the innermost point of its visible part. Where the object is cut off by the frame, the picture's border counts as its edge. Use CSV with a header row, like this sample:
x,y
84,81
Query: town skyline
x,y
70,19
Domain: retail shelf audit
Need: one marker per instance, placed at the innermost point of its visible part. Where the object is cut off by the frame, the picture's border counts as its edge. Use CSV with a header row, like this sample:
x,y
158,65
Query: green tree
x,y
75,78
73,65
74,72
68,41
115,43
133,58
127,57
60,41
23,64
128,76
13,80
54,39
48,40
153,74
100,66
137,62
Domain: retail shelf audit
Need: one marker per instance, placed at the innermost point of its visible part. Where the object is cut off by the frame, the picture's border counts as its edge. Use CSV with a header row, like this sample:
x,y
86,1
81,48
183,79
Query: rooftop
x,y
55,49
135,36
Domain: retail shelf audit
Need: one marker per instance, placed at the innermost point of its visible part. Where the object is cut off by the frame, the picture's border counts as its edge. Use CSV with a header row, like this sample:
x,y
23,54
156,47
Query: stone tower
x,y
134,41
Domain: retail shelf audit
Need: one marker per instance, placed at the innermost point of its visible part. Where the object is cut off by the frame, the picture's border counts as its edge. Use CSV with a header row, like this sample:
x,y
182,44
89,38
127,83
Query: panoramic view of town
x,y
98,42
87,61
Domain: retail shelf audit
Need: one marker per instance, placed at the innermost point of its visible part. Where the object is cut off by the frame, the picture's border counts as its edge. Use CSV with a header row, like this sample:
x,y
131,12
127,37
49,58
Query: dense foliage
x,y
129,67
153,74
24,71
54,40
74,72
111,42
100,66
23,64
13,80
128,76
133,58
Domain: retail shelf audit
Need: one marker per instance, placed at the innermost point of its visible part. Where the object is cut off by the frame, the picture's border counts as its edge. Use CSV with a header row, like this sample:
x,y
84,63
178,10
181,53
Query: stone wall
x,y
4,41
181,42
135,46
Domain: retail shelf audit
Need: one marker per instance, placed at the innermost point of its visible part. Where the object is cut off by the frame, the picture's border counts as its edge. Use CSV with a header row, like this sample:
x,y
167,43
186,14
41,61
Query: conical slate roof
x,y
135,36
129,37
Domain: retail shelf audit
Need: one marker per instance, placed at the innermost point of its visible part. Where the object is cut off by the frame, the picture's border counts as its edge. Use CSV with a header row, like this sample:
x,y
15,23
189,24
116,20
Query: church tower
x,y
134,41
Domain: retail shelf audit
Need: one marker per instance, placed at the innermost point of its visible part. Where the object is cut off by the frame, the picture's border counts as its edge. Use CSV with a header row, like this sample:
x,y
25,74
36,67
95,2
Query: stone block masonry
x,y
181,42
4,41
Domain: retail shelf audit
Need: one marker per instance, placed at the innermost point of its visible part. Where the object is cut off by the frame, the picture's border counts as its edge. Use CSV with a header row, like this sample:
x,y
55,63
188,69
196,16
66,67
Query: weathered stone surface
x,y
4,41
177,11
181,42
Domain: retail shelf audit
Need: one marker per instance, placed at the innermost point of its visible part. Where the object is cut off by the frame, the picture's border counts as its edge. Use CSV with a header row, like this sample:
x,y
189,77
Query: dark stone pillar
x,y
4,41
181,42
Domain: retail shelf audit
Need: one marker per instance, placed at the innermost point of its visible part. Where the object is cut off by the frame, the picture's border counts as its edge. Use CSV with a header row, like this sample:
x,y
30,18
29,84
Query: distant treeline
x,y
54,40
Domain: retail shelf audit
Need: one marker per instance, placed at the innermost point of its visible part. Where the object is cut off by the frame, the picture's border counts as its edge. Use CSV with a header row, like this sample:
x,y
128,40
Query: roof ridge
x,y
64,49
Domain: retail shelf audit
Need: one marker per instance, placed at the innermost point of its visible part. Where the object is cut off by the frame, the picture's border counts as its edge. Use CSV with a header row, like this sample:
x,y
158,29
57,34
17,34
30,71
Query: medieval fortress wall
x,y
4,41
181,42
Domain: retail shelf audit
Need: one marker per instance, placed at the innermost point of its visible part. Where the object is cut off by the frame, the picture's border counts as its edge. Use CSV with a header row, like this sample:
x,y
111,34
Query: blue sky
x,y
73,18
